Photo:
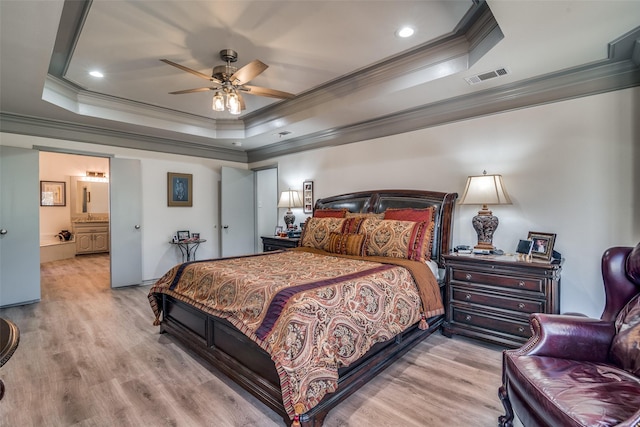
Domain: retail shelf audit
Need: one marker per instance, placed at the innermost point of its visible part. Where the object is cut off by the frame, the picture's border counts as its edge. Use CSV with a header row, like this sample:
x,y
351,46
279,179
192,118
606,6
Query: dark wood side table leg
x,y
1,389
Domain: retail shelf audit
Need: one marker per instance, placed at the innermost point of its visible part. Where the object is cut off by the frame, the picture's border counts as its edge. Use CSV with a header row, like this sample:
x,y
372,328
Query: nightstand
x,y
490,297
274,243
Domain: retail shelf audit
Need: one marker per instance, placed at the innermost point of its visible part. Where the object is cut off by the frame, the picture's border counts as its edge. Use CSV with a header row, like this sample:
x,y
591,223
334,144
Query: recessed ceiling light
x,y
97,74
405,32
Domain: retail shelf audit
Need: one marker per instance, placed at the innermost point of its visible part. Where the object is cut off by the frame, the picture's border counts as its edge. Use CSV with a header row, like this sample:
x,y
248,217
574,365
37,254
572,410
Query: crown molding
x,y
620,71
33,126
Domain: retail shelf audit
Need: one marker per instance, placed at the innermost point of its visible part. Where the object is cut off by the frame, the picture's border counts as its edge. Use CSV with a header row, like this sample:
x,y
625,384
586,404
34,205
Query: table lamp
x,y
485,190
290,199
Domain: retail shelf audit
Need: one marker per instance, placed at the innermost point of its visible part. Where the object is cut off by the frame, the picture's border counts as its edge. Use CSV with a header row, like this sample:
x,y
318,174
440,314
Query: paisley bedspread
x,y
312,312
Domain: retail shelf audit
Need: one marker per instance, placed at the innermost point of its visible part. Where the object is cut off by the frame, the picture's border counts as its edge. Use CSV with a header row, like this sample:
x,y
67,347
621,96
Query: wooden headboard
x,y
378,201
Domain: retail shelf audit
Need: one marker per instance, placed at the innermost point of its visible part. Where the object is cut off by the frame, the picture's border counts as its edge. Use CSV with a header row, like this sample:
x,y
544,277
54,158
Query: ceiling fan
x,y
230,82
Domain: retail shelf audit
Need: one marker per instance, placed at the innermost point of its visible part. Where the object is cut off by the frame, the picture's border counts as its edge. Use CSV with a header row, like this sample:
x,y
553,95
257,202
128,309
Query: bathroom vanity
x,y
92,236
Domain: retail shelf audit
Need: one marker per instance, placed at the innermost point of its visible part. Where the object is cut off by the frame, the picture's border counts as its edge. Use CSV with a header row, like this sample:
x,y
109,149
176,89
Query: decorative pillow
x,y
410,214
316,231
625,347
352,225
330,213
347,244
398,239
364,215
633,265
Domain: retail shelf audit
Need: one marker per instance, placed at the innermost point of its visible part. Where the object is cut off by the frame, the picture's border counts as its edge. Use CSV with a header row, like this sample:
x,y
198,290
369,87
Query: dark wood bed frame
x,y
224,347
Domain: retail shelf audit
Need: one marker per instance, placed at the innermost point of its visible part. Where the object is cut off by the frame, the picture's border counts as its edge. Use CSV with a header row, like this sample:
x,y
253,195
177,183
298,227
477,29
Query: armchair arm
x,y
569,337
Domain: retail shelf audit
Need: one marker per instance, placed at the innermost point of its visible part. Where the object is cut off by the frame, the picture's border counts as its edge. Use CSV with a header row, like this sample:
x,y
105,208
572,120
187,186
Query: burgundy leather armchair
x,y
568,374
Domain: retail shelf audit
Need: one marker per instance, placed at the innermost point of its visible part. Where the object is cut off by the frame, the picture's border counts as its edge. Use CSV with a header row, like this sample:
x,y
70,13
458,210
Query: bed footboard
x,y
225,348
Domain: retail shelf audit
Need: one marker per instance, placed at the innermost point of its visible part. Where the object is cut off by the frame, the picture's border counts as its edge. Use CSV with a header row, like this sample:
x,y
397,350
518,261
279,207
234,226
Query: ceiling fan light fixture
x,y
232,100
218,102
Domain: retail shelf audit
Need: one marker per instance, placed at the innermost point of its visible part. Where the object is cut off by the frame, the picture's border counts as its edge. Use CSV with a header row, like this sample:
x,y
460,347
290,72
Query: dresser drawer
x,y
495,300
529,284
490,322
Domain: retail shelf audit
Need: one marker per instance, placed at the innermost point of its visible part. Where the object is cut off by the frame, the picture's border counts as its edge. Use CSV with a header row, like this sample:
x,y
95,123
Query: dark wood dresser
x,y
490,297
274,243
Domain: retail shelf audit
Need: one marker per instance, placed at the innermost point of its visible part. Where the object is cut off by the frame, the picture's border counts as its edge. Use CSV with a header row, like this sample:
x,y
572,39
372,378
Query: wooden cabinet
x,y
491,297
278,243
91,237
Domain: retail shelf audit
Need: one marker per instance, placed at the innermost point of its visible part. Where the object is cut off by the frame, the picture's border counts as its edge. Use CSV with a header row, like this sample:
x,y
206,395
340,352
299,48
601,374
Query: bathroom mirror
x,y
89,196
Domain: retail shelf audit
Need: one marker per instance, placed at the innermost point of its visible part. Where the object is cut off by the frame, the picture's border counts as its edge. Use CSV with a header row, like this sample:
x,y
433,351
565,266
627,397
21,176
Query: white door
x,y
237,212
126,222
19,226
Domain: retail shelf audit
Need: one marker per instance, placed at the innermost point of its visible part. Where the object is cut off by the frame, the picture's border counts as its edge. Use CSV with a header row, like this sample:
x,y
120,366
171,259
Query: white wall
x,y
571,168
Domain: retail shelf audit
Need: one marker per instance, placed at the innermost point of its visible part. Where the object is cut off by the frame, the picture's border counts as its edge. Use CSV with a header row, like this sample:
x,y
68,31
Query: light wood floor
x,y
90,356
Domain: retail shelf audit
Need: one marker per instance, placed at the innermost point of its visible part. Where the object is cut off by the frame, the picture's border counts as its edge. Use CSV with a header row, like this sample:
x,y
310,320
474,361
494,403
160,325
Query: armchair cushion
x,y
567,392
625,347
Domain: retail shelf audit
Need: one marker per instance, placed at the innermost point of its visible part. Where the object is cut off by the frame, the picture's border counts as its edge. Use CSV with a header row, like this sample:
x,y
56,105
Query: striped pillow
x,y
347,244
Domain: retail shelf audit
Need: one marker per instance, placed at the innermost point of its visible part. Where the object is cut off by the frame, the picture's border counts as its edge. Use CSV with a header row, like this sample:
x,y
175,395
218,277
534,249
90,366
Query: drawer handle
x,y
522,305
467,317
468,276
520,329
521,284
467,297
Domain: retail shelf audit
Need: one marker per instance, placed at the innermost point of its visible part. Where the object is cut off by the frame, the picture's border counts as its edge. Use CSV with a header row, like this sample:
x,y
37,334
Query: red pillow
x,y
330,213
410,214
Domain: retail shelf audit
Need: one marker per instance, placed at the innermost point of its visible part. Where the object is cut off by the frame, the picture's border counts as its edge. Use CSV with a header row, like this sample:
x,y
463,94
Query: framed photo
x,y
542,244
53,193
307,196
195,236
524,247
278,230
183,235
179,189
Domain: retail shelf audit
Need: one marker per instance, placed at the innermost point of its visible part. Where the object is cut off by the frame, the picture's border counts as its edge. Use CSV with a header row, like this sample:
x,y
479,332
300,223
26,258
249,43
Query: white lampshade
x,y
485,190
290,199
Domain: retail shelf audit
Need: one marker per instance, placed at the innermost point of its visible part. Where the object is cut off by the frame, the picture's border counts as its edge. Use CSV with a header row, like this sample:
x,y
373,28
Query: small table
x,y
9,338
188,248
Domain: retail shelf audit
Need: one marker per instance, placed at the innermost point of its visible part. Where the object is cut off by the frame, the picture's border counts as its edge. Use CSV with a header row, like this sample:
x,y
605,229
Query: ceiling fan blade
x,y
189,70
200,89
248,72
263,91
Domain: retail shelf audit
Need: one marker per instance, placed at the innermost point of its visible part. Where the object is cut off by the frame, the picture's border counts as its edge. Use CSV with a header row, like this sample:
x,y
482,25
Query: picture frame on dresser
x,y
183,235
542,244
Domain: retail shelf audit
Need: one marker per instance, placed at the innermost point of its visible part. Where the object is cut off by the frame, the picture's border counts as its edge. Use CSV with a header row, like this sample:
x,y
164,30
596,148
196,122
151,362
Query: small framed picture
x,y
278,230
183,235
524,247
179,189
195,236
53,193
542,244
307,196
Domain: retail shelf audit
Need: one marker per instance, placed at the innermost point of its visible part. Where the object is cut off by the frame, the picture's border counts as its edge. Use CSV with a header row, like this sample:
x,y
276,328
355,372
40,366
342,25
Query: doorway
x,y
78,226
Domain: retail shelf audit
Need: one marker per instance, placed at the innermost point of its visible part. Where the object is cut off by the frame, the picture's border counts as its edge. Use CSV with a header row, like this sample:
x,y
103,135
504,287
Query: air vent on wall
x,y
478,78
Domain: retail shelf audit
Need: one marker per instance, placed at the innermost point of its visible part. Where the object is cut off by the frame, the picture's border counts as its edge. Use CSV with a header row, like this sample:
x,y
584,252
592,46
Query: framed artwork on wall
x,y
307,196
53,193
179,189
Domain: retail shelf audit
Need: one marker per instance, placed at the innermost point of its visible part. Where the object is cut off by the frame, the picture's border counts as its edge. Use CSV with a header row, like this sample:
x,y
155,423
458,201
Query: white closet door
x,y
237,212
126,222
19,226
